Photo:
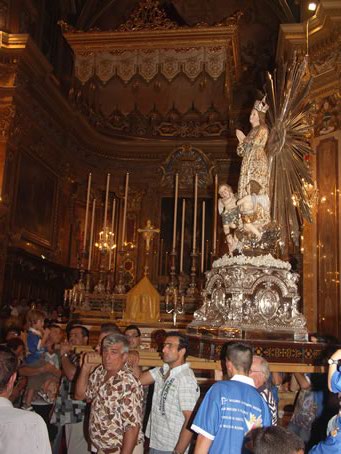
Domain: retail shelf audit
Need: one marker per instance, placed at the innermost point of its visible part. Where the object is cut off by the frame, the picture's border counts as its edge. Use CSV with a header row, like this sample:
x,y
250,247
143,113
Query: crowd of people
x,y
59,395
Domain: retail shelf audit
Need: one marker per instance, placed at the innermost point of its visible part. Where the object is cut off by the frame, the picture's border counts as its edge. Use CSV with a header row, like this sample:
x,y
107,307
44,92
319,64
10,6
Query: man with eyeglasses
x,y
175,395
260,373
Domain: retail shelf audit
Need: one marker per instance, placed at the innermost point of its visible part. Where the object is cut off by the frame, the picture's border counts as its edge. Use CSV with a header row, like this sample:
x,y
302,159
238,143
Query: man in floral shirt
x,y
116,398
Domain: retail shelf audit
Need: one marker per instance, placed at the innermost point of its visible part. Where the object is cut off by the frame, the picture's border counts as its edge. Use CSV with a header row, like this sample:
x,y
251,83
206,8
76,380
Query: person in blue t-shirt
x,y
332,444
334,373
230,408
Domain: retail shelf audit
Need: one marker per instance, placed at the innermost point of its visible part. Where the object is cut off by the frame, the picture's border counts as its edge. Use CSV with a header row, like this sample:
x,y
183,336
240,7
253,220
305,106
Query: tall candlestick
x,y
206,254
125,210
203,237
215,214
106,203
195,212
175,210
182,235
91,233
166,262
87,212
161,258
112,231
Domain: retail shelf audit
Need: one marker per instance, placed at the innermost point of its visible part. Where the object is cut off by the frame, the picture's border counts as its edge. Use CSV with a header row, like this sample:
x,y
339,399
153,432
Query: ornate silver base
x,y
250,296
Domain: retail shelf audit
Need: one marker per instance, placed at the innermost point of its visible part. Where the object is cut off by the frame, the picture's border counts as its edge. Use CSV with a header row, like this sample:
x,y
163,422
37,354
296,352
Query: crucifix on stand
x,y
148,233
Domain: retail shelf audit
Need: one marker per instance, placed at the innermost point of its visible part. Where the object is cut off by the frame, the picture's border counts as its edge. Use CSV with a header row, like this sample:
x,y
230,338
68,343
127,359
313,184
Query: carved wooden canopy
x,y
153,78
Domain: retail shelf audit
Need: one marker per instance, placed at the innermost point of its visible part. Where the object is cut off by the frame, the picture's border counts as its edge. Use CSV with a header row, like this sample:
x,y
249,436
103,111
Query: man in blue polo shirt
x,y
230,408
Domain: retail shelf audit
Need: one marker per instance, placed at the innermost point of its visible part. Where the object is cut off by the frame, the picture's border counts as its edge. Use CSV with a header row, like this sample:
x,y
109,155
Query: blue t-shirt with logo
x,y
336,382
228,412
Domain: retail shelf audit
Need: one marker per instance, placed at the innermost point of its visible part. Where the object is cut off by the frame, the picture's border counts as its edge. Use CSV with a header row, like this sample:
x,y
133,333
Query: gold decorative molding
x,y
319,28
13,41
327,119
192,124
187,161
150,48
150,30
148,15
320,36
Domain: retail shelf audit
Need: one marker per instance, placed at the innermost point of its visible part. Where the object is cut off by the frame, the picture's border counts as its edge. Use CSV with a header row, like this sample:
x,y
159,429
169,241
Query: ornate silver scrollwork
x,y
251,297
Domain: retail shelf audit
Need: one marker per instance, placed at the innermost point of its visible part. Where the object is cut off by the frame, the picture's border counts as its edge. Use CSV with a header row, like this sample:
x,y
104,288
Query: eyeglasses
x,y
256,371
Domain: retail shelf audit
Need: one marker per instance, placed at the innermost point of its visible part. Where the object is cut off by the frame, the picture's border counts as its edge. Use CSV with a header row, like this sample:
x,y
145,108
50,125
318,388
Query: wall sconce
x,y
312,6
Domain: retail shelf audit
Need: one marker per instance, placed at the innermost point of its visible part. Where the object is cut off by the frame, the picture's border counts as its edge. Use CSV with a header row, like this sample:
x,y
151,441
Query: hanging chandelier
x,y
106,241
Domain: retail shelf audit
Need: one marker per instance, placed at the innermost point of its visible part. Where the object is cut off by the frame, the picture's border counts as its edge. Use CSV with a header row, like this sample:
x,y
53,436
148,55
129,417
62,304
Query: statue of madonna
x,y
254,171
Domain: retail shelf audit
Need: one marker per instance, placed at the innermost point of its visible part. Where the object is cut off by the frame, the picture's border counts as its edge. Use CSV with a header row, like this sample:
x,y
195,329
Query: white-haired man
x,y
115,396
260,373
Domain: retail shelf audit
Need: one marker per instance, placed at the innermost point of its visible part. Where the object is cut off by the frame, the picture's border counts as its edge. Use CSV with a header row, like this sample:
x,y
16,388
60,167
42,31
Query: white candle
x,y
203,237
175,209
106,202
182,235
87,212
91,233
112,231
215,210
125,210
195,212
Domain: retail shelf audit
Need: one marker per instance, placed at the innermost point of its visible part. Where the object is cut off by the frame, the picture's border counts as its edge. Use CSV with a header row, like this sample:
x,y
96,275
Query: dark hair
x,y
13,329
240,356
183,340
14,343
110,328
54,325
135,327
85,331
157,338
275,440
8,366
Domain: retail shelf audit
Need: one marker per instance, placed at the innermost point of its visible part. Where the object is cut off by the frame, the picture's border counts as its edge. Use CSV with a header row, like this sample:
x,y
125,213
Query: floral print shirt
x,y
116,406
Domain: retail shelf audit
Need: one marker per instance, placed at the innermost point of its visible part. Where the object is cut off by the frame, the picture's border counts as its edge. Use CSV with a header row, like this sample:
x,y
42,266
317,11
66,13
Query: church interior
x,y
118,124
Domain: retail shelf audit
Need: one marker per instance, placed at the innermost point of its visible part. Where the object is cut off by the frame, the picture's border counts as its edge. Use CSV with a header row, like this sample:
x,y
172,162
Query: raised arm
x,y
68,368
333,368
90,360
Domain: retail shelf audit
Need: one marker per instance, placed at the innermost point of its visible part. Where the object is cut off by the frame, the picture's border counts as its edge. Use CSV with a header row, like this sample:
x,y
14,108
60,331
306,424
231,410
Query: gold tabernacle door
x,y
143,303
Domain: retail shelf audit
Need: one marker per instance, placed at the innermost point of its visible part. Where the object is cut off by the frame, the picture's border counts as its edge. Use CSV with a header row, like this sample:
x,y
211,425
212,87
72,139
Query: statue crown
x,y
261,105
